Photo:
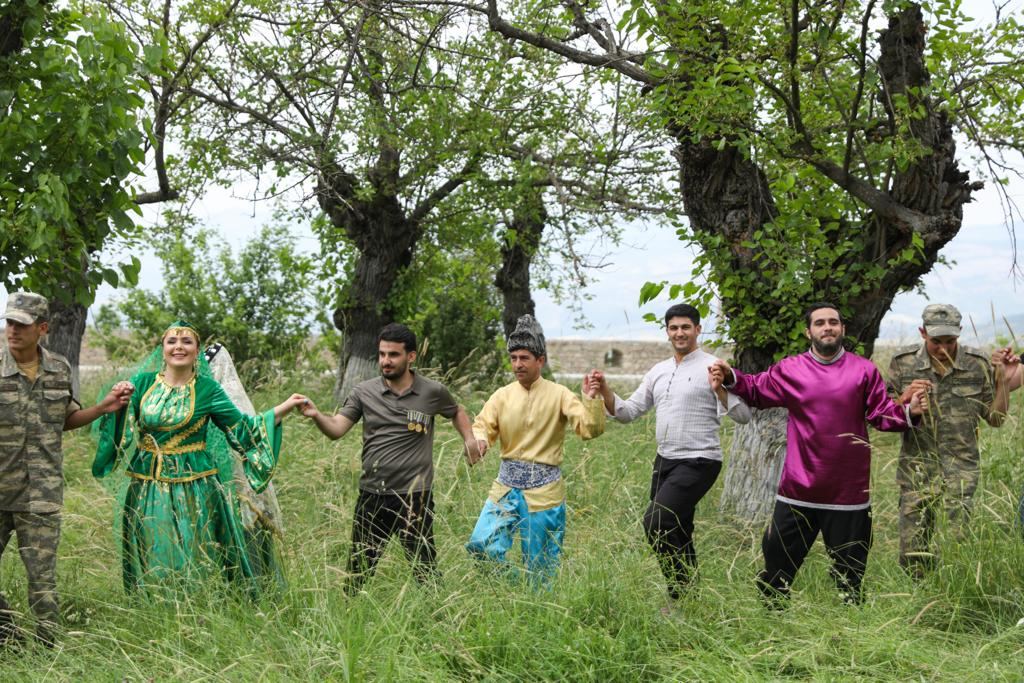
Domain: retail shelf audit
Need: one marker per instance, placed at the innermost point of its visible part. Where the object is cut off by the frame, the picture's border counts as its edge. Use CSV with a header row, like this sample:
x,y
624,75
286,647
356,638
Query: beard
x,y
395,372
827,349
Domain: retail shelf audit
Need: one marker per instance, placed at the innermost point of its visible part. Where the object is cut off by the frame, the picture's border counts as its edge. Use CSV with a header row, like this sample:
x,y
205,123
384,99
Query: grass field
x,y
600,621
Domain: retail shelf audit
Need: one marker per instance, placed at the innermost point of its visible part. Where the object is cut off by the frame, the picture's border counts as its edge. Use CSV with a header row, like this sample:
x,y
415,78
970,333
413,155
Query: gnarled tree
x,y
817,156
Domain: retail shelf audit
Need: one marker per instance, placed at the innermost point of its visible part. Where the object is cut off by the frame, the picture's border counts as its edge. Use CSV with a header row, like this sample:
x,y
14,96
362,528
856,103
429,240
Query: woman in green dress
x,y
180,520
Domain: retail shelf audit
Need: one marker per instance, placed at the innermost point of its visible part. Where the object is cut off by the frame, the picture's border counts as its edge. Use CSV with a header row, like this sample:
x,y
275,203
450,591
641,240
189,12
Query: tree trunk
x,y
386,239
755,465
934,185
365,309
725,194
67,325
517,250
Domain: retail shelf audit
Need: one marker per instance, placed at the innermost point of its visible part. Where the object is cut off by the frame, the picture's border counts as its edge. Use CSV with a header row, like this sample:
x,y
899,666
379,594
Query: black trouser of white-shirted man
x,y
677,485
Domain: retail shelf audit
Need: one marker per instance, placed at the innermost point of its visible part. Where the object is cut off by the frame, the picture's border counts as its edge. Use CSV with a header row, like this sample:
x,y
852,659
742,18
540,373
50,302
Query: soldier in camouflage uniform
x,y
36,405
939,463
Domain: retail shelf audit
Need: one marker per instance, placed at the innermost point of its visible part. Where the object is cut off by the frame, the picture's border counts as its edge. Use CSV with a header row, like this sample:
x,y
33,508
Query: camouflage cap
x,y
941,320
27,307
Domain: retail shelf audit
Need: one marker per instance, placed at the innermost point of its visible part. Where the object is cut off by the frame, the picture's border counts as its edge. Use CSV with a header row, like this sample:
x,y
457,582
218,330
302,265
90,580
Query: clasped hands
x,y
118,397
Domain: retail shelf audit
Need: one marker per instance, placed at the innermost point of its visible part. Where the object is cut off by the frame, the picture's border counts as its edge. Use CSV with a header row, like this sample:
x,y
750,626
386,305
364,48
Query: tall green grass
x,y
599,621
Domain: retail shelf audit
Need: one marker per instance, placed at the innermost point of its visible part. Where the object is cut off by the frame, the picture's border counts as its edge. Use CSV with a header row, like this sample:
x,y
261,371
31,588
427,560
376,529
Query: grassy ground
x,y
600,621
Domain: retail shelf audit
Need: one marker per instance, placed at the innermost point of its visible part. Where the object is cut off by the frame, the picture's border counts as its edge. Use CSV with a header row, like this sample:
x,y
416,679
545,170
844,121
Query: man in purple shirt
x,y
831,395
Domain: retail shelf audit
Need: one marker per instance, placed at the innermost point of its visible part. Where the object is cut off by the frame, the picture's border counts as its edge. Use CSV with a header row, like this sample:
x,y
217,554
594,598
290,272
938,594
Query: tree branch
x,y
621,63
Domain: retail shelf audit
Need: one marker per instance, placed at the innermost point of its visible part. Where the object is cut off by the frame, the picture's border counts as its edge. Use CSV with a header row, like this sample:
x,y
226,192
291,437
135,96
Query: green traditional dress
x,y
180,521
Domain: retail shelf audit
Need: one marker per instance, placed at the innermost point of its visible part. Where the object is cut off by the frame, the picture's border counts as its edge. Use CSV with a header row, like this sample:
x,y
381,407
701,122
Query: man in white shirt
x,y
688,411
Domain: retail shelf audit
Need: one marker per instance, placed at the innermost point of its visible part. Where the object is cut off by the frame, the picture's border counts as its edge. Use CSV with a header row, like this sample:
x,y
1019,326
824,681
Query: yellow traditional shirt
x,y
530,424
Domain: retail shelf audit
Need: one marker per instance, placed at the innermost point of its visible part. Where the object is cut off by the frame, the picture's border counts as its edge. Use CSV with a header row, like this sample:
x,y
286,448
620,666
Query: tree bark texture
x,y
933,186
727,195
756,455
67,325
517,251
385,238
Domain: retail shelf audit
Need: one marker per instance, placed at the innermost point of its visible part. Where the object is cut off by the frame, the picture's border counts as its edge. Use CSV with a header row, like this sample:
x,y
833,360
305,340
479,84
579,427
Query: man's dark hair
x,y
818,305
397,332
683,311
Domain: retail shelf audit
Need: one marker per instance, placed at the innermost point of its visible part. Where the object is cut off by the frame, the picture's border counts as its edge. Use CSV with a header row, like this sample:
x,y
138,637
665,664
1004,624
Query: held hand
x,y
919,403
1005,356
723,368
474,453
118,397
303,405
715,378
595,384
917,385
1009,362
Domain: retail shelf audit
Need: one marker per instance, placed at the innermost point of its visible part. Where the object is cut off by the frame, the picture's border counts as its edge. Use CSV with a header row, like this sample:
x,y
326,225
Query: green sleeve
x,y
116,431
256,437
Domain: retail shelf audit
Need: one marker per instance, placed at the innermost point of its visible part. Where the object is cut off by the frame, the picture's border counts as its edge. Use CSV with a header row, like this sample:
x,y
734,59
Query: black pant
x,y
676,488
790,535
380,516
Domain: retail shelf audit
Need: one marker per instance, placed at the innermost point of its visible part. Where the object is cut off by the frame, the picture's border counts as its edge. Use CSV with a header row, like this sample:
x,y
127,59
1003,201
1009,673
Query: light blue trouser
x,y
541,533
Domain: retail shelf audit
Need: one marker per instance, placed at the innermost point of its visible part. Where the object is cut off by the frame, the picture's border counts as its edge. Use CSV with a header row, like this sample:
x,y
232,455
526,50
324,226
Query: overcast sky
x,y
978,281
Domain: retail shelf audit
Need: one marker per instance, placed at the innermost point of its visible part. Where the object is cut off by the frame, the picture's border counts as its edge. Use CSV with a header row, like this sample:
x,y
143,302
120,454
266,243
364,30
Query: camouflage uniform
x,y
939,461
32,418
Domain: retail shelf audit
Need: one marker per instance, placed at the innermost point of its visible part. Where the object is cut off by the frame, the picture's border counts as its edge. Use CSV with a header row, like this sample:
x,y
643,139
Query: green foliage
x,y
599,622
434,127
794,93
259,303
70,137
459,320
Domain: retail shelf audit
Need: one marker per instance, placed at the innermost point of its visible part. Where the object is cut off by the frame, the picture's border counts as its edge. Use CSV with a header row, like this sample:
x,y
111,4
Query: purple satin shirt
x,y
828,459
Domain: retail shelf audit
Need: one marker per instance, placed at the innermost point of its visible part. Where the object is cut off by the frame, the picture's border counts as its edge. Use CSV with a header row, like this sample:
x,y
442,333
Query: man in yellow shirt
x,y
529,418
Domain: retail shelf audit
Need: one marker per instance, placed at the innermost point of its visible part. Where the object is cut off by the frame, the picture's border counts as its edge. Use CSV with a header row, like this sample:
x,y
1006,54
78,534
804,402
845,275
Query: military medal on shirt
x,y
418,422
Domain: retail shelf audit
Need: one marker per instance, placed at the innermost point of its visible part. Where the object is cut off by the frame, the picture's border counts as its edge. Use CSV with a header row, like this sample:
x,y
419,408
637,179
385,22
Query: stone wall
x,y
571,357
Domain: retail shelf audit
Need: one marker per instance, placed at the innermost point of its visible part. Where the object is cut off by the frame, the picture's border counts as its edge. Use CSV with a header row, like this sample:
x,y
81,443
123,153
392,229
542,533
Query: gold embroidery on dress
x,y
188,413
167,480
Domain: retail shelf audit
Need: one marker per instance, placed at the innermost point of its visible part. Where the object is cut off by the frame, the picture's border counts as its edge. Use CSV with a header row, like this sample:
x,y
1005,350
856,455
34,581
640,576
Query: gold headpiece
x,y
179,328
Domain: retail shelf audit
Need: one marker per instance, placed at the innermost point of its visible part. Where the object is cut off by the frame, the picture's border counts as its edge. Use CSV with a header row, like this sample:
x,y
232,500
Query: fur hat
x,y
528,336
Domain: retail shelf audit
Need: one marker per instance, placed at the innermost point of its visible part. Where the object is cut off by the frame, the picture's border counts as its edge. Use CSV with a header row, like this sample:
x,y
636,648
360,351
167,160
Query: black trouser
x,y
380,516
676,488
790,535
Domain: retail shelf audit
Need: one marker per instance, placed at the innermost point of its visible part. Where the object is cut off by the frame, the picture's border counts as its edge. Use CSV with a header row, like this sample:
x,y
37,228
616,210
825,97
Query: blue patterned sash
x,y
520,474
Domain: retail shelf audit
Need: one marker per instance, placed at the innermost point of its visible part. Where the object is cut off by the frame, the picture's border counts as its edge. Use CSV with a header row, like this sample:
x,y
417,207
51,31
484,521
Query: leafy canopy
x,y
70,137
260,301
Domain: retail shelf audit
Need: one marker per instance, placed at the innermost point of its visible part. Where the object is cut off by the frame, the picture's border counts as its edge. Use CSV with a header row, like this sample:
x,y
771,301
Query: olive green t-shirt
x,y
398,433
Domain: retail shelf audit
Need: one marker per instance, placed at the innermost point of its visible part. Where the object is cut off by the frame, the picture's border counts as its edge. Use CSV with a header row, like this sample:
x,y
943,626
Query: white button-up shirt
x,y
688,412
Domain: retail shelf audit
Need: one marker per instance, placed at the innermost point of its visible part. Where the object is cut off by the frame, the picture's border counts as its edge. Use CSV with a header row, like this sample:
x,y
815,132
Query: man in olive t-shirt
x,y
398,410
